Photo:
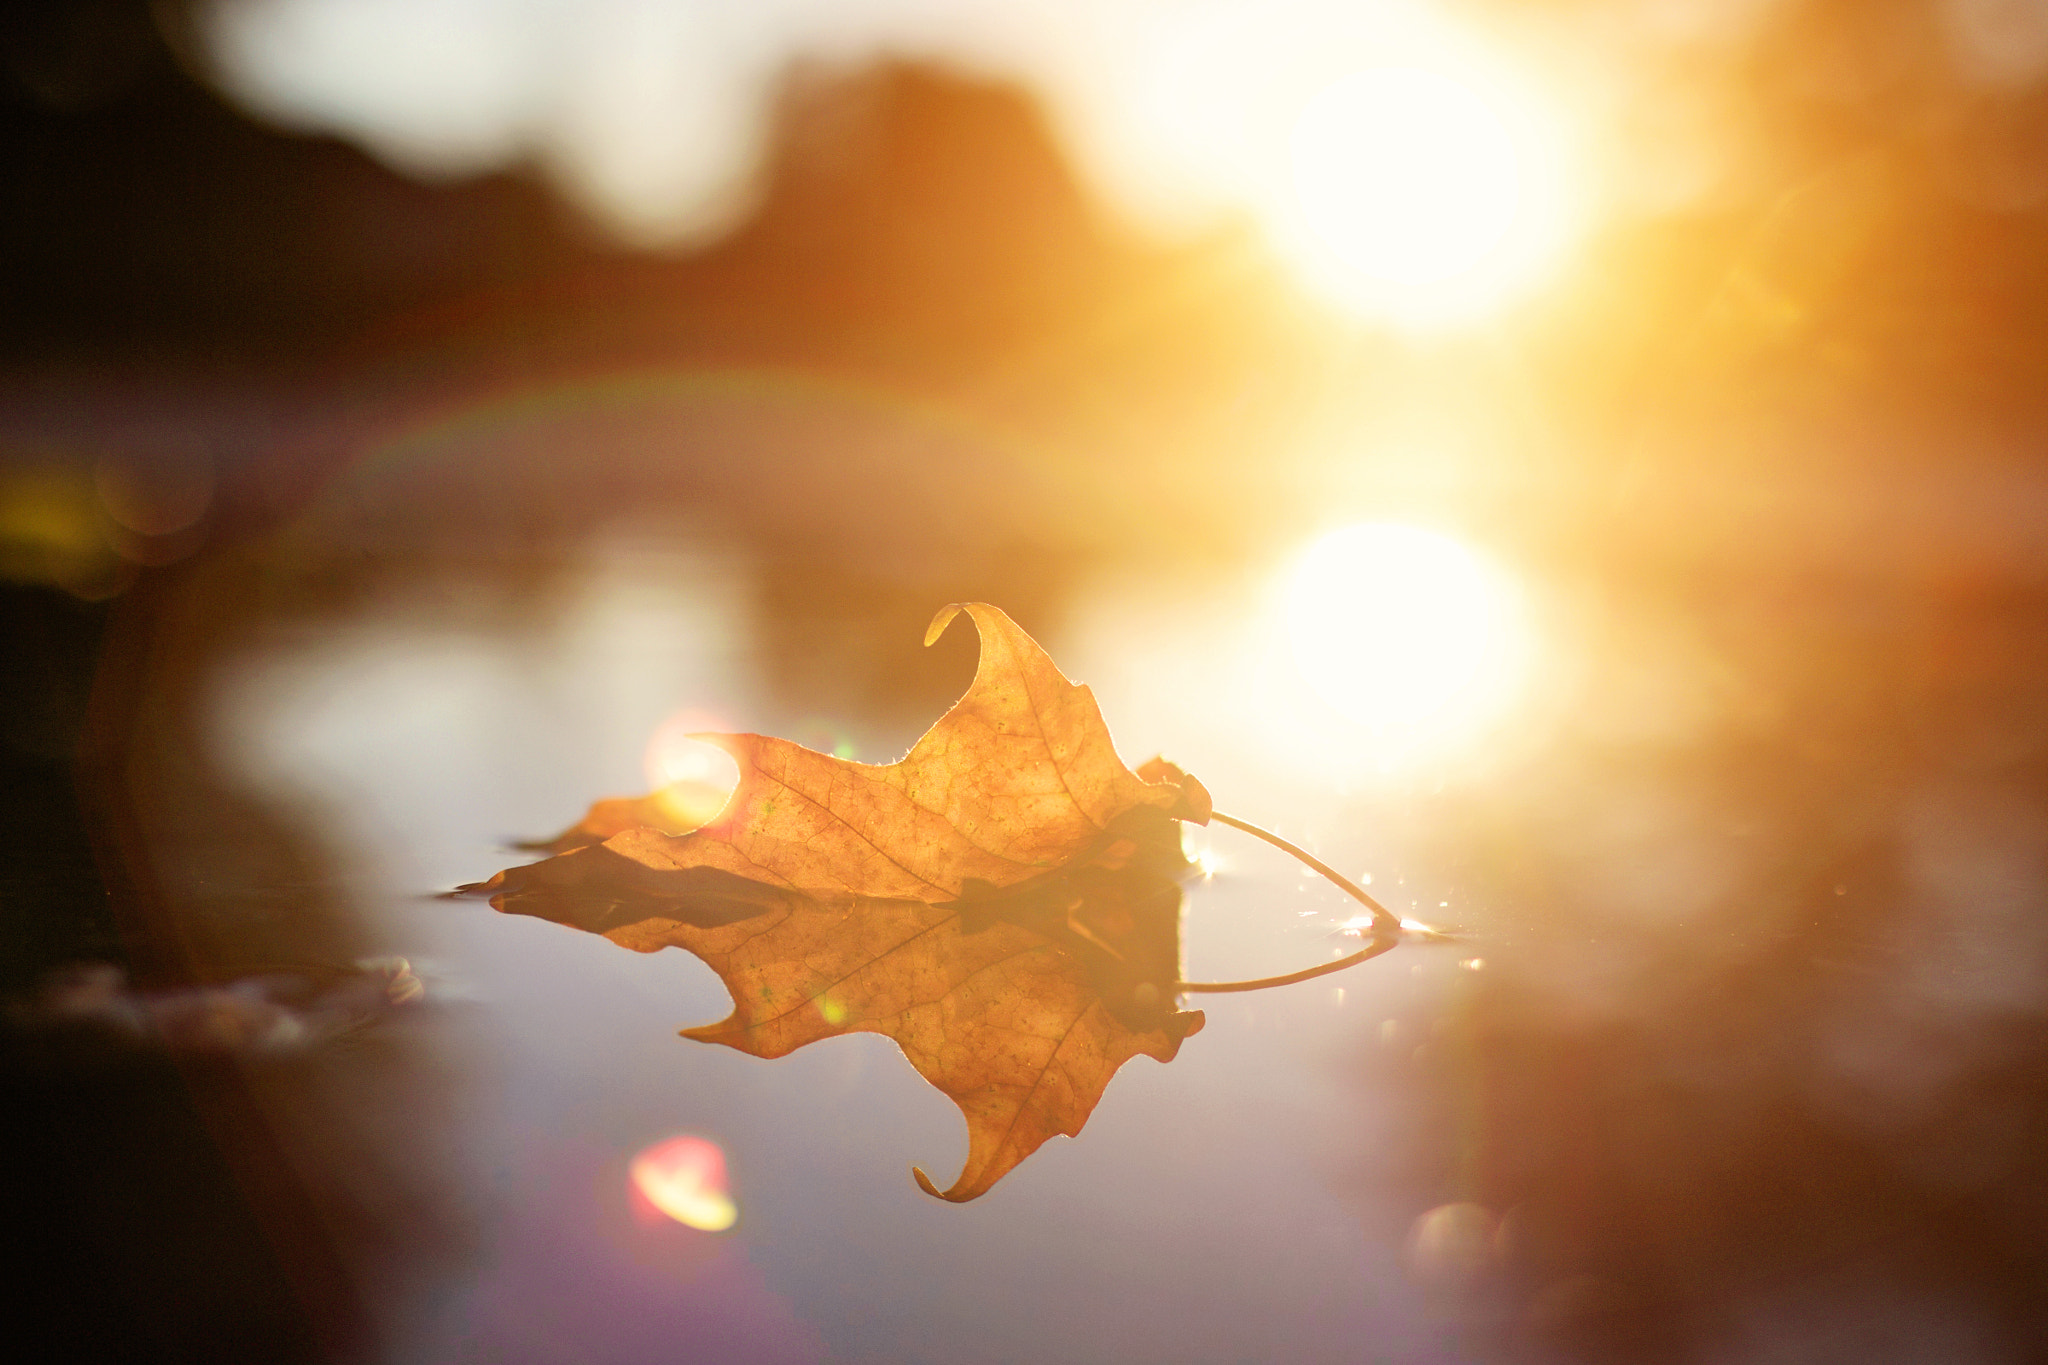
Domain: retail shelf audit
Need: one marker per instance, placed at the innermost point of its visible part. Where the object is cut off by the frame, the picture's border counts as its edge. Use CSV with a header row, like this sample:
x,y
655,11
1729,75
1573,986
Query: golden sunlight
x,y
1425,198
1407,633
689,779
684,1177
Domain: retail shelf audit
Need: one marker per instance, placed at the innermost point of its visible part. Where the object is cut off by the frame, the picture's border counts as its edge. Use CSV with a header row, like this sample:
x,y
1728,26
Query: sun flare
x,y
691,780
1423,197
1407,633
684,1178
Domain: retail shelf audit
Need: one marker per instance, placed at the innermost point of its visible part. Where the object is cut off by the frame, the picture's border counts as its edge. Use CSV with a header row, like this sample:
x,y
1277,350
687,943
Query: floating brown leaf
x,y
676,809
1004,901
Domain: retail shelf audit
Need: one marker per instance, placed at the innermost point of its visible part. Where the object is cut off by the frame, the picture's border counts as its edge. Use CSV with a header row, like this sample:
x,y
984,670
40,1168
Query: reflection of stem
x,y
1386,926
1082,931
1378,945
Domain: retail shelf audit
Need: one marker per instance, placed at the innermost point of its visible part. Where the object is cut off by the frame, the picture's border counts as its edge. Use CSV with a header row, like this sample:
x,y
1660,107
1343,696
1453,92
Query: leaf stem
x,y
1384,921
1386,926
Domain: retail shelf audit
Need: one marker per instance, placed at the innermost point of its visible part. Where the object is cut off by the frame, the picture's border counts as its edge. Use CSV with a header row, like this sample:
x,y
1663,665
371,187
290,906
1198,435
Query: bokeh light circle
x,y
684,1177
1403,631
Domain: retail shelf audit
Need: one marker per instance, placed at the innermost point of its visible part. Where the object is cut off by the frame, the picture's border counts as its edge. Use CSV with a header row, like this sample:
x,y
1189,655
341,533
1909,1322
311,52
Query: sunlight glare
x,y
684,1177
1405,632
1422,197
690,778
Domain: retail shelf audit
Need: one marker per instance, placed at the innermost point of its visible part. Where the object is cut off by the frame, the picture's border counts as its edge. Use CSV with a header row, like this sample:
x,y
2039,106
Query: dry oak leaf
x,y
675,809
1004,901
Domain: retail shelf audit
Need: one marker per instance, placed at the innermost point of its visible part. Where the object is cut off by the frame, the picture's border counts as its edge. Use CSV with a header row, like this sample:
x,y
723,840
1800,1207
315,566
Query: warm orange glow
x,y
1422,196
684,1177
691,780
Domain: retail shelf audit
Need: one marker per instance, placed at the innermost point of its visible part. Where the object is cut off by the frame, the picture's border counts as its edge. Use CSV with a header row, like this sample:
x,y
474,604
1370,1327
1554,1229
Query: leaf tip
x,y
705,1033
939,623
924,1182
